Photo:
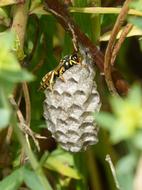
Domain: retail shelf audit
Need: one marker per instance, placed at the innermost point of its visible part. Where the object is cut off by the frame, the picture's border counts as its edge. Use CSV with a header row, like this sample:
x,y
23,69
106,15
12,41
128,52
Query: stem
x,y
64,18
107,62
93,171
95,21
103,10
108,159
20,17
35,165
120,41
79,163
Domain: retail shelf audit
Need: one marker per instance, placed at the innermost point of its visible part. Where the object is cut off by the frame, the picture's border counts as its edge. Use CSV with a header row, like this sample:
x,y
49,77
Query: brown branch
x,y
27,103
118,45
63,17
23,126
20,18
107,62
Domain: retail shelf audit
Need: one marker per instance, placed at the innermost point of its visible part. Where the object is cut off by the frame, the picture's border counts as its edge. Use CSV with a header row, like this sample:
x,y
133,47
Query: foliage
x,y
21,70
126,118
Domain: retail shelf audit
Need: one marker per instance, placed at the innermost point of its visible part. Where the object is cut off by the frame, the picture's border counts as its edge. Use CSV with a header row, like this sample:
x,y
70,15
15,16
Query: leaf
x,y
126,164
37,8
137,140
4,117
32,180
117,104
13,181
4,17
5,111
135,31
137,21
10,69
60,167
7,2
125,171
136,5
106,120
63,156
16,76
134,96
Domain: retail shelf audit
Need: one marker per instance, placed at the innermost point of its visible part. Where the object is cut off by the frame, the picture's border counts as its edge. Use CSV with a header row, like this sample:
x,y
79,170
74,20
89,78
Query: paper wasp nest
x,y
69,108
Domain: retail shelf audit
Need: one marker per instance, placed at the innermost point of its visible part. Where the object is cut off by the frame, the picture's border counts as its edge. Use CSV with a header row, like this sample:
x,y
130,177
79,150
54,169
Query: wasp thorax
x,y
49,79
69,108
75,57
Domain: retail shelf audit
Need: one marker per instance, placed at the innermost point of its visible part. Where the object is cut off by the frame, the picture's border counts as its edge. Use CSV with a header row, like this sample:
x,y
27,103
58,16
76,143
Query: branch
x,y
63,17
23,126
108,159
123,36
107,62
19,24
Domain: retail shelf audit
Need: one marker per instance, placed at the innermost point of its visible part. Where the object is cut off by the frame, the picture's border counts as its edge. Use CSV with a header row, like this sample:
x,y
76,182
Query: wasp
x,y
68,61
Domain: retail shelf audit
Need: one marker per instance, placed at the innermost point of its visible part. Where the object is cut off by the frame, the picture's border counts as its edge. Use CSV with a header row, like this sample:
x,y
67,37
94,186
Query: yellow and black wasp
x,y
68,61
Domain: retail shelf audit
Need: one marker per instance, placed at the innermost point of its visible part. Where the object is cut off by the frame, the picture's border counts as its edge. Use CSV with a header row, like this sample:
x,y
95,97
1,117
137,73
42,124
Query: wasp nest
x,y
69,108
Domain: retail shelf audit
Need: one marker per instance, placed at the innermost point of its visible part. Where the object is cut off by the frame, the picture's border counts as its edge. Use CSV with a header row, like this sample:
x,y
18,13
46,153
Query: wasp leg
x,y
61,71
62,78
51,82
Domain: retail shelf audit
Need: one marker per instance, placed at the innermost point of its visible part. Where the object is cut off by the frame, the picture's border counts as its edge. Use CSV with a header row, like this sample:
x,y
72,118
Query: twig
x,y
9,135
23,126
98,57
34,163
27,103
107,62
70,27
108,159
123,36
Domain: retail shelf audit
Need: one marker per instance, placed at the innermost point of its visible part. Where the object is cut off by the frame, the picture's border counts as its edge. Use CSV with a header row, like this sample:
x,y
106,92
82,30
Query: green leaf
x,y
137,21
106,120
125,171
4,117
117,104
32,180
4,17
134,96
13,77
126,164
137,140
62,168
5,110
63,156
10,69
13,181
136,4
7,2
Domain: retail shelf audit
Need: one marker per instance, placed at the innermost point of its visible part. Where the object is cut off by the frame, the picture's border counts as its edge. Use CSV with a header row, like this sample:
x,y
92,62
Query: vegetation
x,y
34,36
